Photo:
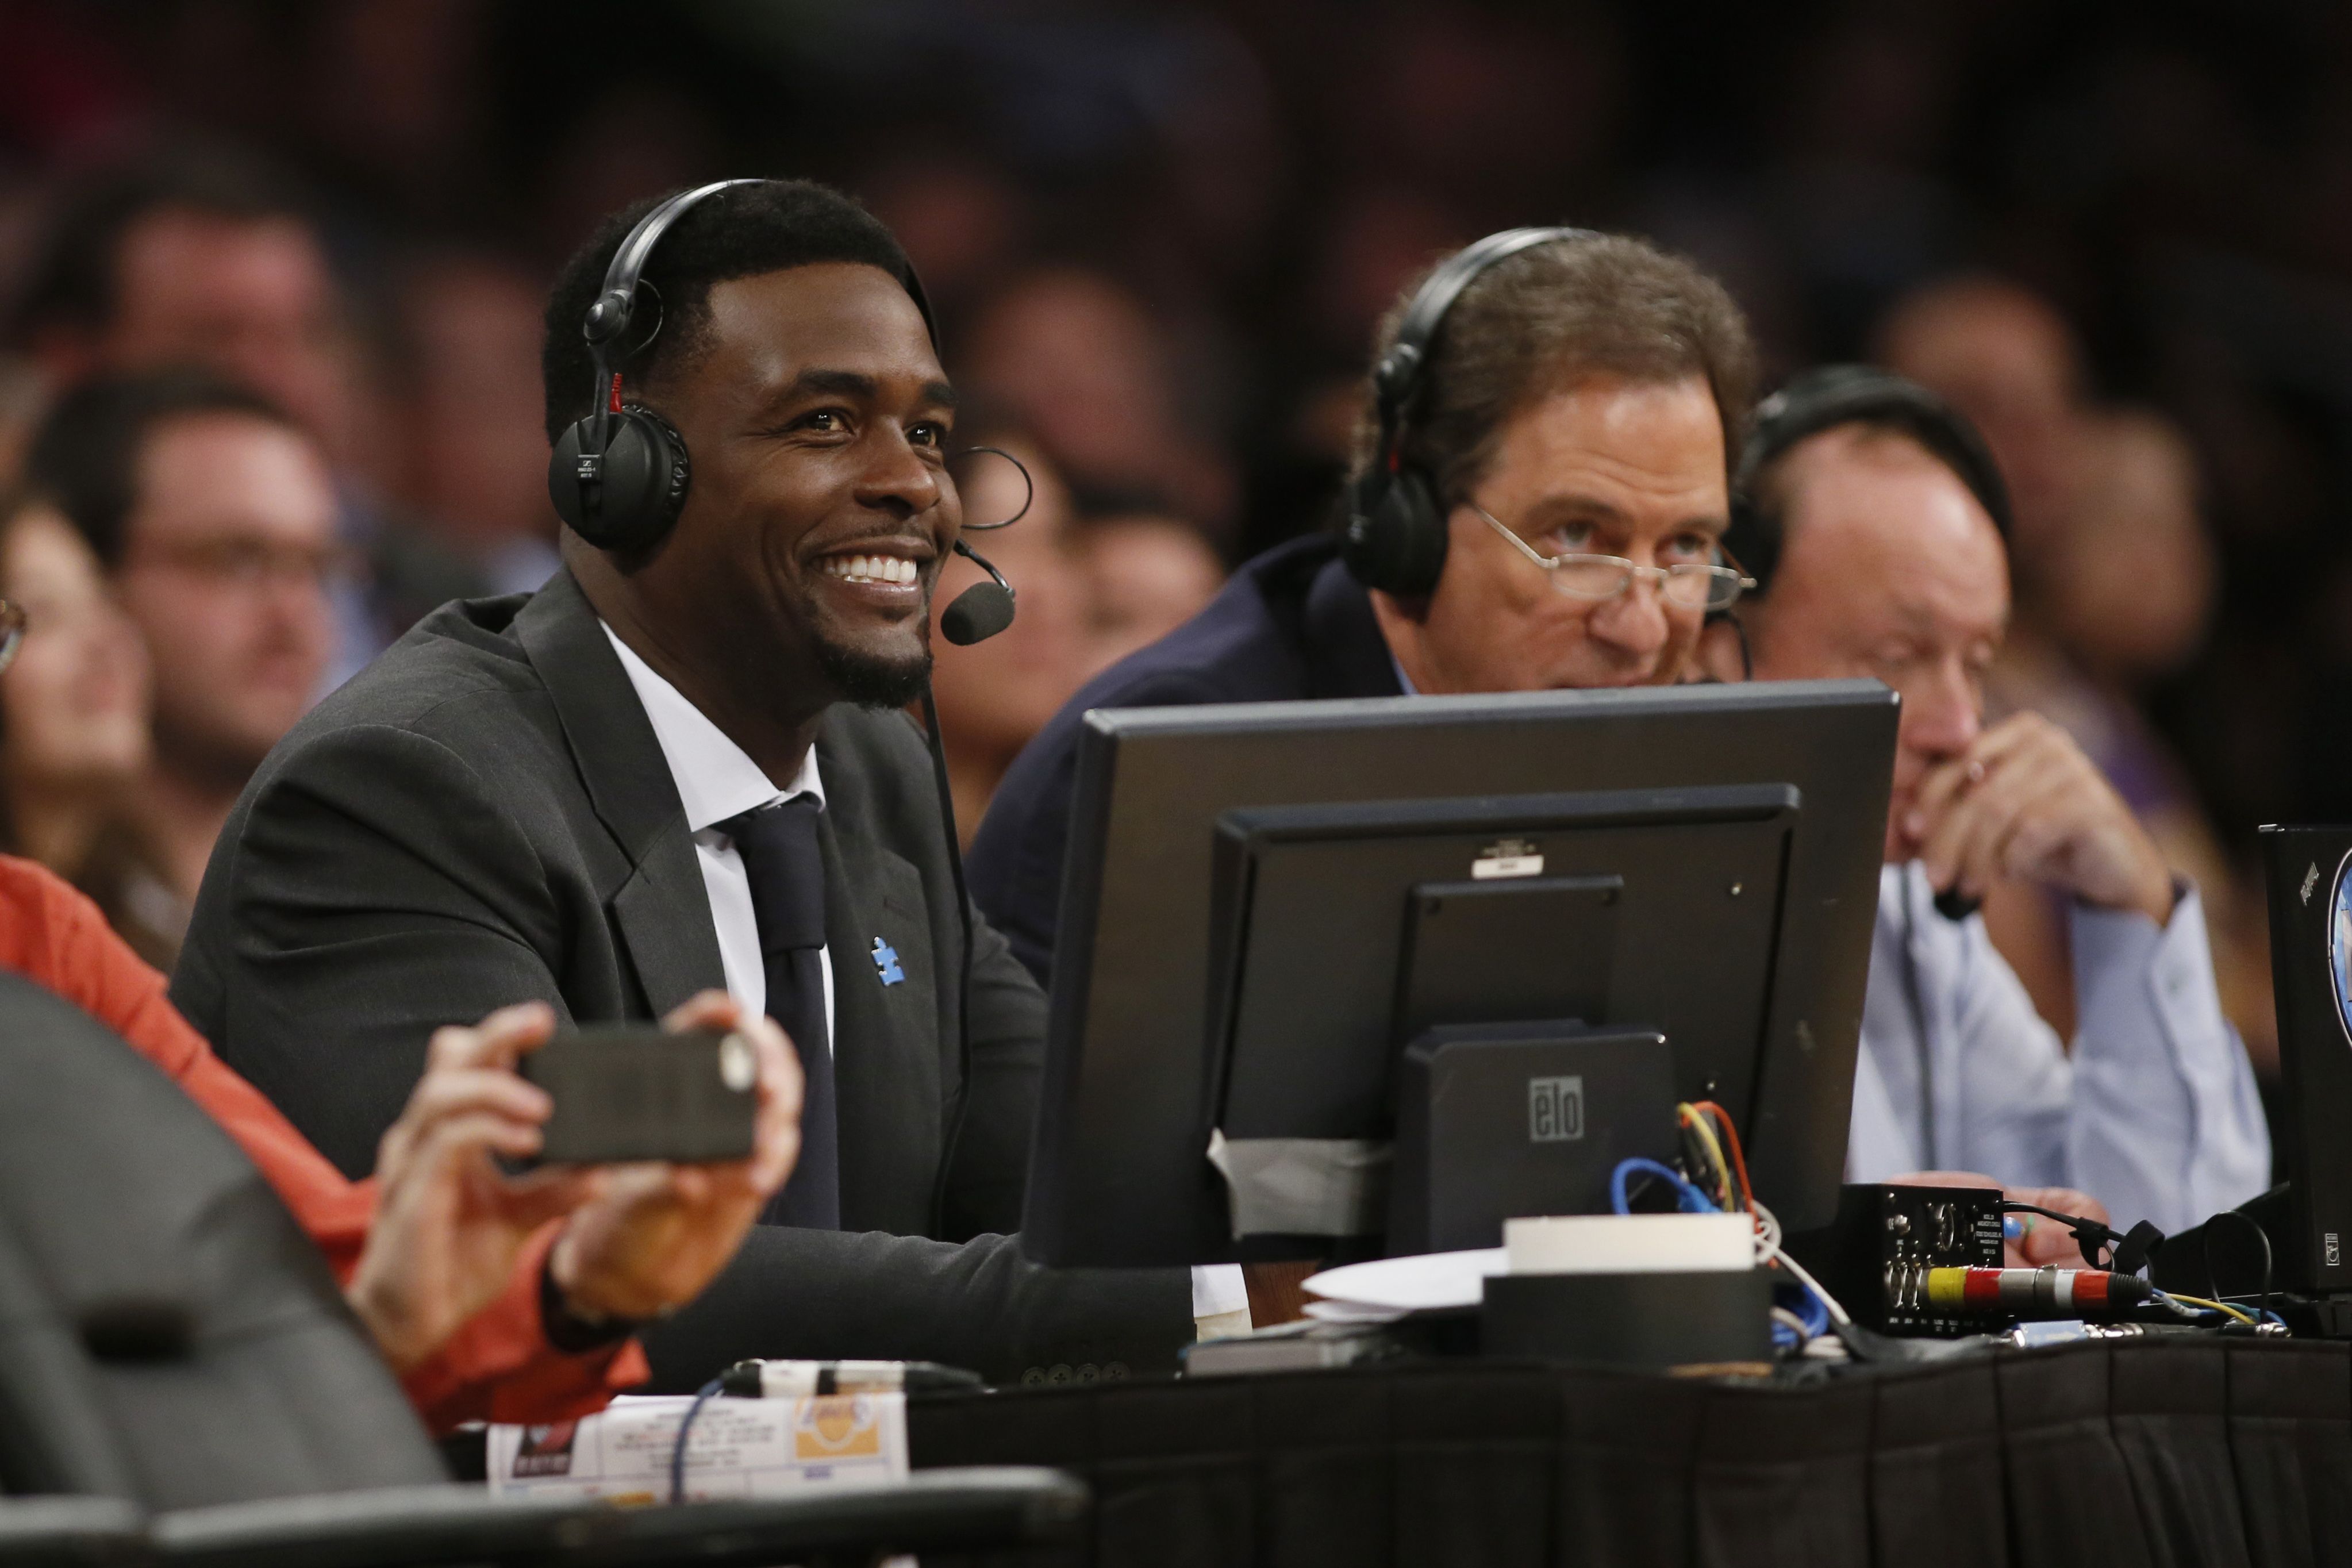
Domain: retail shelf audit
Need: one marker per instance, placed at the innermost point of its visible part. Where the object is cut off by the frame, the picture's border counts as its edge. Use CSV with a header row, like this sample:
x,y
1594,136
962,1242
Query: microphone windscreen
x,y
977,613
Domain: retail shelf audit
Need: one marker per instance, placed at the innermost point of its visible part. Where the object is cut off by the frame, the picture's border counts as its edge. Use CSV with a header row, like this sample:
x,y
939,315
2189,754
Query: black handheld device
x,y
637,1091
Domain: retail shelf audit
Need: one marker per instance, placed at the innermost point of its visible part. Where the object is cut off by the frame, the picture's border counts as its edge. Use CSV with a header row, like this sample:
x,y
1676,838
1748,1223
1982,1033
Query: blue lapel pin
x,y
886,962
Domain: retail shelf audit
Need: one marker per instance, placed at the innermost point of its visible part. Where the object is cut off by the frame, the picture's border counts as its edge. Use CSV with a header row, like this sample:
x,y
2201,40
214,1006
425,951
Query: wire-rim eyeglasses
x,y
1689,585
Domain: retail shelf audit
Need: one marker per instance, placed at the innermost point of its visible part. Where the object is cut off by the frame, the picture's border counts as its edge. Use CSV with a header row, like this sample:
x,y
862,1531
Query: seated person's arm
x,y
2159,1117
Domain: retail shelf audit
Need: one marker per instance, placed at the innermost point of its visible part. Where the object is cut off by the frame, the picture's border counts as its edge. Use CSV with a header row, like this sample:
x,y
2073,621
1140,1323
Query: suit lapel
x,y
886,1061
660,910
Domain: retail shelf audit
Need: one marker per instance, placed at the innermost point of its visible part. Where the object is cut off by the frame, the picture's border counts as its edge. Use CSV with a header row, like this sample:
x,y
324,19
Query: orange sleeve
x,y
500,1361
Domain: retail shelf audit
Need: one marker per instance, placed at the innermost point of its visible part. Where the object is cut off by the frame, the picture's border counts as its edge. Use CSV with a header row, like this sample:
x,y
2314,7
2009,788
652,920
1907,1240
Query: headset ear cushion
x,y
641,486
1396,535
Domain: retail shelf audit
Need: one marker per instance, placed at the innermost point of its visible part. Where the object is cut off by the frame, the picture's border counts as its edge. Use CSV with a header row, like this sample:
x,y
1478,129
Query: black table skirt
x,y
2142,1455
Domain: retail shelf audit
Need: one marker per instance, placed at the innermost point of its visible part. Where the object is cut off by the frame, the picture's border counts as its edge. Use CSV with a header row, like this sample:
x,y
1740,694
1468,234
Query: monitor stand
x,y
1498,1121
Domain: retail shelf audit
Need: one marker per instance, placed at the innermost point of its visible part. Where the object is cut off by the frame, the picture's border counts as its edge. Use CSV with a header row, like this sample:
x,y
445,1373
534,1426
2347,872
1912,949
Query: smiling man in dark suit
x,y
637,783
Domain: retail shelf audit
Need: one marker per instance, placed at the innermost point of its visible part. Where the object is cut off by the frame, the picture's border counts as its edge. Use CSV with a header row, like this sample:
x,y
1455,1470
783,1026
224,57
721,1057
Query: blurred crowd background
x,y
1159,236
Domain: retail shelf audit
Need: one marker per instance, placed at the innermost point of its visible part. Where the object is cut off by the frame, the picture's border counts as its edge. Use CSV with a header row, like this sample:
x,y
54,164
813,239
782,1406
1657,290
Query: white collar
x,y
716,778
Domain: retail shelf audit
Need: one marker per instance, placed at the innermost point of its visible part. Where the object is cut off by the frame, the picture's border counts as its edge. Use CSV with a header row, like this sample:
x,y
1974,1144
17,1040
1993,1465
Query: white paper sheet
x,y
1425,1282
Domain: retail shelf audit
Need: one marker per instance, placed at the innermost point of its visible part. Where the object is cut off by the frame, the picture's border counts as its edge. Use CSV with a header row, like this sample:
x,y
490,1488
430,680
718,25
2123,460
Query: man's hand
x,y
650,1236
2025,802
448,1224
2043,1240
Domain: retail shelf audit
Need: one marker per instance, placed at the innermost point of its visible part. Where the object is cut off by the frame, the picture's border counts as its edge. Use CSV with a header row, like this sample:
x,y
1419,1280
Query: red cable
x,y
1731,1137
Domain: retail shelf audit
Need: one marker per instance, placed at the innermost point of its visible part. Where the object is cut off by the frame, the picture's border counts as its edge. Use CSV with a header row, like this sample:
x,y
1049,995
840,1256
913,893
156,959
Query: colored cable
x,y
1731,1137
2043,1292
1828,1303
1688,1199
702,1396
2213,1306
1718,1169
2251,1223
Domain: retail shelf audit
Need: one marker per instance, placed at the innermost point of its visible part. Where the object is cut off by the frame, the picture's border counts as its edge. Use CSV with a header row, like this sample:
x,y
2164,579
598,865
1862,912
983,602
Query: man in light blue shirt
x,y
1878,526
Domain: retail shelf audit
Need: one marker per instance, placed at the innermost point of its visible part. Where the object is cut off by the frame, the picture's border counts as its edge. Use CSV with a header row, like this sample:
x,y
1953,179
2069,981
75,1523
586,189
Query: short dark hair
x,y
1544,320
75,281
84,458
740,232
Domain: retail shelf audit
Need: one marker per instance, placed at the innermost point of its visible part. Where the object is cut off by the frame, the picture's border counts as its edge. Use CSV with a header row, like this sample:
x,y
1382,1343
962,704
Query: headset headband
x,y
1839,395
1397,378
607,320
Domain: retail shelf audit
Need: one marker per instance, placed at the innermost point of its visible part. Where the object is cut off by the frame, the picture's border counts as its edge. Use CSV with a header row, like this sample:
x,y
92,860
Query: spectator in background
x,y
1145,574
213,514
2123,597
994,694
204,259
2004,357
472,461
73,711
1079,360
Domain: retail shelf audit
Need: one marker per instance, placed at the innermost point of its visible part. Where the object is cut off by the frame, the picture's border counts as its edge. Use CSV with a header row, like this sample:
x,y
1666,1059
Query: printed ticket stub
x,y
738,1448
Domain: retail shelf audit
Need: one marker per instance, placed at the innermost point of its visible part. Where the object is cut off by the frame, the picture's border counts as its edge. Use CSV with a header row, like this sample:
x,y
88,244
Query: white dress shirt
x,y
717,780
2153,1113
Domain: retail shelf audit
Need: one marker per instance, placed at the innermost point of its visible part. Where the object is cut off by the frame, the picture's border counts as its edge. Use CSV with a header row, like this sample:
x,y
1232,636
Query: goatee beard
x,y
871,682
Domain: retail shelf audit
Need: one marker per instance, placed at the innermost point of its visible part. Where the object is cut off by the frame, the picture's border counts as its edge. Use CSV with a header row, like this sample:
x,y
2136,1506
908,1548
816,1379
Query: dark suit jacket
x,y
485,816
1292,624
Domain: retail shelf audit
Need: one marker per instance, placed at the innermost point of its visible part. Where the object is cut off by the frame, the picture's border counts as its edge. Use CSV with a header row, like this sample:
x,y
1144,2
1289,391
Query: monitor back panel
x,y
1353,945
1118,1173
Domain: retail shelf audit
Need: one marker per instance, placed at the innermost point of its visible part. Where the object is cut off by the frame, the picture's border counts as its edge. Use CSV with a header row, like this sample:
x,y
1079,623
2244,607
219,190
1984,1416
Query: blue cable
x,y
1688,1199
677,1450
1808,1307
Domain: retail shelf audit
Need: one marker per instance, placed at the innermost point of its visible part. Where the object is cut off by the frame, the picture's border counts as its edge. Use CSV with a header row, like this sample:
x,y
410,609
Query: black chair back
x,y
167,1332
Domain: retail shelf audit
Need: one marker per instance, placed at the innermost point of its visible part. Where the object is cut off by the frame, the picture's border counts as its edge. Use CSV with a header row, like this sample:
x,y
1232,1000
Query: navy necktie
x,y
778,842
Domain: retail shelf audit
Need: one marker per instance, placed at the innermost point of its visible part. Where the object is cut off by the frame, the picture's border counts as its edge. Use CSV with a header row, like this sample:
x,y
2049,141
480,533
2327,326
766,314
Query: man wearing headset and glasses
x,y
1538,501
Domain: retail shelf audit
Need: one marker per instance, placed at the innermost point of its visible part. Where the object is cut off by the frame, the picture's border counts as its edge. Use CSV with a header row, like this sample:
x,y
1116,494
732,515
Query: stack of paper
x,y
1388,1289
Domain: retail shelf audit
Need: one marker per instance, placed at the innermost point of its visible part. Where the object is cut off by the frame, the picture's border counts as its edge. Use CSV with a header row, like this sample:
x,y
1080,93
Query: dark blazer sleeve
x,y
375,891
813,1294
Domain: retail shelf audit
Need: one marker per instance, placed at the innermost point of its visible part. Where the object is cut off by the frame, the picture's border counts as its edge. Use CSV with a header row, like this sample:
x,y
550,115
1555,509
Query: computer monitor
x,y
1265,904
2308,870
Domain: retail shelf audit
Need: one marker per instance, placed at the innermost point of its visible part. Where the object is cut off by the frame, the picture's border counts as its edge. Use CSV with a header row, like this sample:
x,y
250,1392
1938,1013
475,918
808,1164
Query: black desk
x,y
2237,1454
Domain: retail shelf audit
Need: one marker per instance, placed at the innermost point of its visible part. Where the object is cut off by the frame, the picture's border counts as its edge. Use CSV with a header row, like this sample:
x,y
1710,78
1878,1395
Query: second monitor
x,y
1295,933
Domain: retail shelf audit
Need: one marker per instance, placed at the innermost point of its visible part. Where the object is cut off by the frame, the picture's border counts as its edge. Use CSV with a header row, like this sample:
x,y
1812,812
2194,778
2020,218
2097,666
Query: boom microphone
x,y
980,611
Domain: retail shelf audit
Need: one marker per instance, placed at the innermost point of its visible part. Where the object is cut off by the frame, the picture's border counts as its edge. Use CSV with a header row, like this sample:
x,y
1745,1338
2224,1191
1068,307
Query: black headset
x,y
619,477
1838,394
1395,538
